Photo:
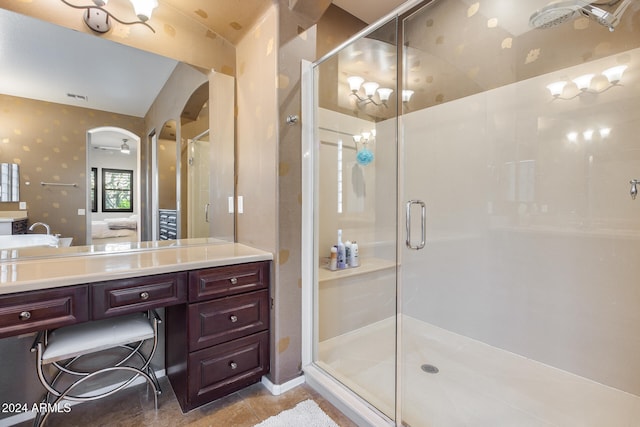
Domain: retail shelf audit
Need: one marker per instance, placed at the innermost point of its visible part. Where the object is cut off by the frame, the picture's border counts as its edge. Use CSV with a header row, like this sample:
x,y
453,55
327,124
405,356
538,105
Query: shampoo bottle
x,y
341,251
355,260
347,254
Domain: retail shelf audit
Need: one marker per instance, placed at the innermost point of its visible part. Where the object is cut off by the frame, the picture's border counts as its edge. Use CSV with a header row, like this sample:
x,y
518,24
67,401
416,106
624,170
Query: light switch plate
x,y
230,204
81,212
22,206
240,204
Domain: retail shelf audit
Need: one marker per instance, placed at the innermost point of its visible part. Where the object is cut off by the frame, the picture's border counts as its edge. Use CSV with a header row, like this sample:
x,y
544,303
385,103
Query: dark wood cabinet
x,y
226,343
124,296
32,311
216,321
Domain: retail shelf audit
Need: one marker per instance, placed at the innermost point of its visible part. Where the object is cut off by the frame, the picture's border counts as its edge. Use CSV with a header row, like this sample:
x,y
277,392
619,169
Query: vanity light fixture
x,y
613,76
406,95
124,148
370,89
98,18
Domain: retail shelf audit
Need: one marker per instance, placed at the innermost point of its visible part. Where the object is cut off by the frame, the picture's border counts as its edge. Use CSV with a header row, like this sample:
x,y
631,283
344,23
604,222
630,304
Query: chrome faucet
x,y
35,224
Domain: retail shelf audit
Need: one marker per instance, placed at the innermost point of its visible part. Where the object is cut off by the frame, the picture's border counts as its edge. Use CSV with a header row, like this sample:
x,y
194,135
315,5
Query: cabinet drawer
x,y
38,310
226,319
117,297
225,368
222,281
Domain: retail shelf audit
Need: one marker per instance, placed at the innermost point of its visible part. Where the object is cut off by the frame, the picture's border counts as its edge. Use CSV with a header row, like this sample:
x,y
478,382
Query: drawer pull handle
x,y
234,281
233,365
144,296
25,315
233,318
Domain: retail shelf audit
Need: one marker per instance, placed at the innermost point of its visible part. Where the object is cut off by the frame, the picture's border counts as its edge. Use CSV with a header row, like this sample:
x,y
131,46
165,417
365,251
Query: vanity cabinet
x,y
226,344
124,296
33,311
16,226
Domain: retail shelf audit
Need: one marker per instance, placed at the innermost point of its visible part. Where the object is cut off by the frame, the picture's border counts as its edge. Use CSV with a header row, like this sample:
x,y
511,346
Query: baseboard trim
x,y
278,389
359,411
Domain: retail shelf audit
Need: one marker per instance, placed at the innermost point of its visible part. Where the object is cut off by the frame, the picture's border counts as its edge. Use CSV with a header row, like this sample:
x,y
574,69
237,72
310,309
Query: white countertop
x,y
46,273
10,216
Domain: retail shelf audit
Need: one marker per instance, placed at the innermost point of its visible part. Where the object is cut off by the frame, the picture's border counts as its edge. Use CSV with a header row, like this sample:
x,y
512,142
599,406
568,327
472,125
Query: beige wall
x,y
267,65
49,142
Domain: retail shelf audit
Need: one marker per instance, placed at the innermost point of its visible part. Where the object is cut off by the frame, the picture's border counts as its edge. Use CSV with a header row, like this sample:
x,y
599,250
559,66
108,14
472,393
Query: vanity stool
x,y
134,339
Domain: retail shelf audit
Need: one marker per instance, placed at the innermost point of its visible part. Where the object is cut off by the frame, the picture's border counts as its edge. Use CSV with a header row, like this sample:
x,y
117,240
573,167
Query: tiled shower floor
x,y
477,385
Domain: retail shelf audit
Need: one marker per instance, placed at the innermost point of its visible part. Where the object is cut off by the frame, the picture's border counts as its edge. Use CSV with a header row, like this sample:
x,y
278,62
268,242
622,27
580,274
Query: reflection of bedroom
x,y
113,223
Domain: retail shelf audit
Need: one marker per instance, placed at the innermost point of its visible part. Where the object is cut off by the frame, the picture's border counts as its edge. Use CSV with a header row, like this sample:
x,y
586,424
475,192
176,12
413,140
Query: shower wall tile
x,y
532,237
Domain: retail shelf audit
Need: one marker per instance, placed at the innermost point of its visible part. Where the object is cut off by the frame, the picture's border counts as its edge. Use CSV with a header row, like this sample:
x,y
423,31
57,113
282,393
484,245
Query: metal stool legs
x,y
75,349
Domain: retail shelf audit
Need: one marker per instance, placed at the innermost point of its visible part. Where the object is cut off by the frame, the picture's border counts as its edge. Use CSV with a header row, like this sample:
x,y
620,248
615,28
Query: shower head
x,y
559,12
554,14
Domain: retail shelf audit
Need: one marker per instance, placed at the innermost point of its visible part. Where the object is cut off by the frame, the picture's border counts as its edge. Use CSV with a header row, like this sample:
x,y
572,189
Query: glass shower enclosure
x,y
484,157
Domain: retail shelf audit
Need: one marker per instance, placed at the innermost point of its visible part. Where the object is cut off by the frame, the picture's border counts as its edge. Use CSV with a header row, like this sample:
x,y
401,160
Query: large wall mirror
x,y
127,137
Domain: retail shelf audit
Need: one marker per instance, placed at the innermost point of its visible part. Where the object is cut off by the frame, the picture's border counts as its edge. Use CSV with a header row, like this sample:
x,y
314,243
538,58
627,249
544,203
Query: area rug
x,y
304,414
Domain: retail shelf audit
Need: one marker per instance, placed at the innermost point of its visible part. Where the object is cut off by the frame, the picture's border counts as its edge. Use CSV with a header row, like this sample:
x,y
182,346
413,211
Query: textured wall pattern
x,y
48,141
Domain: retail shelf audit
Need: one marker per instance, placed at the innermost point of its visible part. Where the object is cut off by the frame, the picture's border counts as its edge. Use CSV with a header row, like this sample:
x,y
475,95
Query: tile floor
x,y
134,408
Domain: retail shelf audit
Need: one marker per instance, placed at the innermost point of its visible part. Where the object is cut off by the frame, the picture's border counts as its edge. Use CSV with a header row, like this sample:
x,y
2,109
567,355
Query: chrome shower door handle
x,y
423,224
206,212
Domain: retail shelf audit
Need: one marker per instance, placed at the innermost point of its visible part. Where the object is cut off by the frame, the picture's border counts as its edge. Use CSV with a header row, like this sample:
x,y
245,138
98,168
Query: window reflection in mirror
x,y
9,182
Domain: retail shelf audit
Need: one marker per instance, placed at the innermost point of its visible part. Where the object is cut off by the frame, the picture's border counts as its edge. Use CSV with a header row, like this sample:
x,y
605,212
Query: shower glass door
x,y
199,186
355,190
522,306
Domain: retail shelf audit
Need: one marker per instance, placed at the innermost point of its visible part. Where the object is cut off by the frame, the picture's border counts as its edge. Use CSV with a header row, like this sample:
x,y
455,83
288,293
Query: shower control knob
x,y
634,188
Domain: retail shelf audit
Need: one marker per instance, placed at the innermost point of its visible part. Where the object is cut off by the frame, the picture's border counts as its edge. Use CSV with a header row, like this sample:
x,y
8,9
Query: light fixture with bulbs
x,y
583,83
370,90
98,18
124,148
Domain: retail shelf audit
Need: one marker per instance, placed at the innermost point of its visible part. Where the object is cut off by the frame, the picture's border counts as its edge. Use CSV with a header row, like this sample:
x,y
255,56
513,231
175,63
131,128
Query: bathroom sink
x,y
27,240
